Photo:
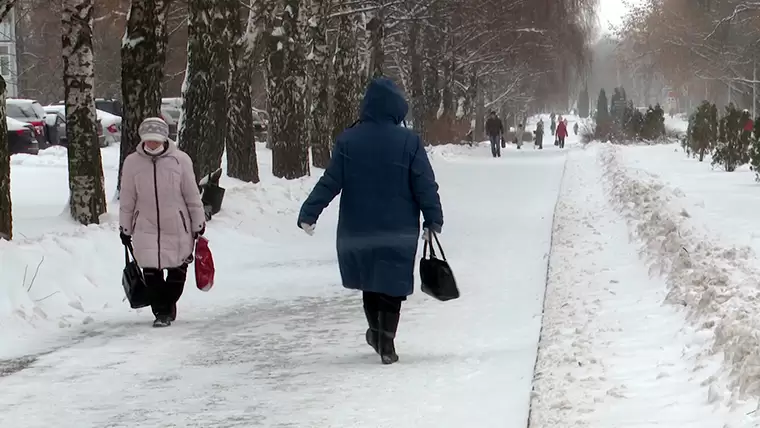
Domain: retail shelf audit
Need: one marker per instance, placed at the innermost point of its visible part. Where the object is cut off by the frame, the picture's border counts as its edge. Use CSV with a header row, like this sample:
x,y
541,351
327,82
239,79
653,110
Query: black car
x,y
21,138
108,105
31,112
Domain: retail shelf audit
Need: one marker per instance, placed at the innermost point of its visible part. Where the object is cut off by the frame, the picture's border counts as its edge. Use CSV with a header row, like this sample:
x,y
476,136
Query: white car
x,y
110,123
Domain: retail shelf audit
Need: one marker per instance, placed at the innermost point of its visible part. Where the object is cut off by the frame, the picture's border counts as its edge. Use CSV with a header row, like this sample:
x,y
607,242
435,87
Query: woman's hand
x,y
199,233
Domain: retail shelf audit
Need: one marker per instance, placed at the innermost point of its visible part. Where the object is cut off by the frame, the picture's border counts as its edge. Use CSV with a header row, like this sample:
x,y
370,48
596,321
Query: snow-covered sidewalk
x,y
613,354
279,343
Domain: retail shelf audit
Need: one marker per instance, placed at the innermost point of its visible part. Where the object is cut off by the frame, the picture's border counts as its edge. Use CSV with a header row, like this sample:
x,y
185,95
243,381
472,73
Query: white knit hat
x,y
153,129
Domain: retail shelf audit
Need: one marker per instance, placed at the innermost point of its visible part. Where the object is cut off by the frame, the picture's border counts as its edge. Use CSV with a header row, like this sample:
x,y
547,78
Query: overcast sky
x,y
610,11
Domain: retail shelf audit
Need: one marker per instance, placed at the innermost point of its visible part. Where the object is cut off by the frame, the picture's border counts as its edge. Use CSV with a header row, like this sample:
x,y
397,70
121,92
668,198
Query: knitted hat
x,y
153,129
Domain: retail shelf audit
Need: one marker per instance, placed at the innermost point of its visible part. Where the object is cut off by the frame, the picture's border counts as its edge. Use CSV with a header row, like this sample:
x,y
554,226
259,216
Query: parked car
x,y
111,125
166,115
109,105
21,137
31,112
104,139
55,120
260,124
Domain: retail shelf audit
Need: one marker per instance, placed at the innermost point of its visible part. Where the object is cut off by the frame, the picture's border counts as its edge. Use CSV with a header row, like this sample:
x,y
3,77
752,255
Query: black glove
x,y
199,233
125,239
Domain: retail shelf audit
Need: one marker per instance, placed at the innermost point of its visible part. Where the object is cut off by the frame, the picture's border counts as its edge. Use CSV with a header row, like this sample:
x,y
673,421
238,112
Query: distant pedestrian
x,y
495,131
539,143
561,133
519,136
385,180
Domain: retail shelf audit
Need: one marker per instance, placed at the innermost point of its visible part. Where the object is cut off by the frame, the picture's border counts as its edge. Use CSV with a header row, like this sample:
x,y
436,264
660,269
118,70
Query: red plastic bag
x,y
204,265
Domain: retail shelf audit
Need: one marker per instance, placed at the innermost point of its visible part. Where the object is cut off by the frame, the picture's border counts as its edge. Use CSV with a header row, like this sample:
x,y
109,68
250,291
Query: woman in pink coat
x,y
161,215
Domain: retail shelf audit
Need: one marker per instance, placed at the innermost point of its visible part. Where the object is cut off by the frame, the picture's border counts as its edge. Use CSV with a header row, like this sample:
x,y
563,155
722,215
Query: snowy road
x,y
278,343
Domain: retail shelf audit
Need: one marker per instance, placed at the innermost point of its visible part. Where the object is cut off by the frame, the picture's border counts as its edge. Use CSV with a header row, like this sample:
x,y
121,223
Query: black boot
x,y
372,335
388,327
162,321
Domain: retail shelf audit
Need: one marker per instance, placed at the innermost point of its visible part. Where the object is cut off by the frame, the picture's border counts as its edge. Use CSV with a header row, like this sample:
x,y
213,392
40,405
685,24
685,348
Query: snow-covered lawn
x,y
278,342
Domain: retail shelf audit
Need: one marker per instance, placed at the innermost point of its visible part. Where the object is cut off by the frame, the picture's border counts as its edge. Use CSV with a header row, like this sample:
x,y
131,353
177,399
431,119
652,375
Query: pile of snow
x,y
60,279
716,284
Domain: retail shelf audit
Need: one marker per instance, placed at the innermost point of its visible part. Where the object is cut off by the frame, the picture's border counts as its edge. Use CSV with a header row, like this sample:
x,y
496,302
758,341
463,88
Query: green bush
x,y
702,133
731,150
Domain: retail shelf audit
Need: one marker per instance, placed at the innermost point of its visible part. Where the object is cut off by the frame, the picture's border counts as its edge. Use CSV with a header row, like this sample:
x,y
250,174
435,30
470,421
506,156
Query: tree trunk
x,y
143,55
6,215
416,78
480,114
242,162
319,114
347,83
376,52
87,199
286,90
206,85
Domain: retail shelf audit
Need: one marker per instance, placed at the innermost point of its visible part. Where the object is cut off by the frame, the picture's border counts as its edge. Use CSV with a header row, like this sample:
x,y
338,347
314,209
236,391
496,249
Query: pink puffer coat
x,y
160,207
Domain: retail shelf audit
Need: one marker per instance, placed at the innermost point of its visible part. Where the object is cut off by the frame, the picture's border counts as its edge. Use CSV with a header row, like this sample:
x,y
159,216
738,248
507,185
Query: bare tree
x,y
143,54
87,199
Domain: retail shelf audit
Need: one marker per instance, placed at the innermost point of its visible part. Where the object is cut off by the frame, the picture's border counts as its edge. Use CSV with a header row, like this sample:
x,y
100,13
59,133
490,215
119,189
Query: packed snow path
x,y
278,342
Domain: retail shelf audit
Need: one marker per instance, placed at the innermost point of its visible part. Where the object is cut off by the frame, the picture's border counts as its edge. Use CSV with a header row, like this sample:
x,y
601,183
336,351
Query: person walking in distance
x,y
539,144
562,133
385,180
161,215
495,131
519,135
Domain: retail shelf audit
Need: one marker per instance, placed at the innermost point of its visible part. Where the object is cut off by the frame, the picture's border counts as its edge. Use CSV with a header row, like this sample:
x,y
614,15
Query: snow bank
x,y
716,284
57,278
609,348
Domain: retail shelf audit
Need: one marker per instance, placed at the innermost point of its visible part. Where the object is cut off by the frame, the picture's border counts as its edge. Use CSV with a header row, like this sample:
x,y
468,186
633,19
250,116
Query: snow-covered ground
x,y
277,342
650,313
611,354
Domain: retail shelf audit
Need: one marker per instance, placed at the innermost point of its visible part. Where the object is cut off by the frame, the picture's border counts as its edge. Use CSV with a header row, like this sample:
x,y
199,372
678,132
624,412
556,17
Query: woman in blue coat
x,y
385,180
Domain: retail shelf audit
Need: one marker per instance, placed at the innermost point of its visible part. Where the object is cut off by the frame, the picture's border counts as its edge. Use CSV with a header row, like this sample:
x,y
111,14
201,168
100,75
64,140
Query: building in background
x,y
8,63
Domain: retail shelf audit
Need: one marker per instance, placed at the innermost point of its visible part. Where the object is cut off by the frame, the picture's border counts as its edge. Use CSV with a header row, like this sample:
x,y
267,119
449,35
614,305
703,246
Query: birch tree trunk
x,y
286,90
143,55
87,199
347,89
206,87
6,215
319,114
242,162
6,211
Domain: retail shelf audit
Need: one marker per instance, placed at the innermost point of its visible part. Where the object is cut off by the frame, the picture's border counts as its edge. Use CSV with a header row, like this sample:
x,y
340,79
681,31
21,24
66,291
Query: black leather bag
x,y
133,281
436,275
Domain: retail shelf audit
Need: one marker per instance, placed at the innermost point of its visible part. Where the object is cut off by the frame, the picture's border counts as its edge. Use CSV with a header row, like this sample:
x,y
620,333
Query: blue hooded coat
x,y
386,180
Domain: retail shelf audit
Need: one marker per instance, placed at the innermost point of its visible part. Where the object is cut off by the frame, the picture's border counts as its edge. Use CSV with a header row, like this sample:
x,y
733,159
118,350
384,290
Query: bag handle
x,y
435,236
429,245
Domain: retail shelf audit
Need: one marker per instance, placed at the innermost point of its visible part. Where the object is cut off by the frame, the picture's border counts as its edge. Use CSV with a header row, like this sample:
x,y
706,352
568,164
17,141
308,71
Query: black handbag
x,y
133,281
436,275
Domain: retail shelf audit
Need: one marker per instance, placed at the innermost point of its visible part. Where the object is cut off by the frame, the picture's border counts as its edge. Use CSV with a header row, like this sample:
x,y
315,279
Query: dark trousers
x,y
495,145
378,302
561,142
165,292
